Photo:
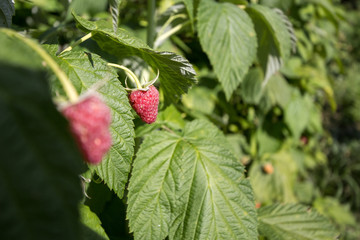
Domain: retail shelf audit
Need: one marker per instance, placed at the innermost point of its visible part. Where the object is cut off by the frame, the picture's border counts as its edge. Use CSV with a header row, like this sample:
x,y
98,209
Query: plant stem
x,y
81,40
169,33
167,23
129,73
151,22
63,78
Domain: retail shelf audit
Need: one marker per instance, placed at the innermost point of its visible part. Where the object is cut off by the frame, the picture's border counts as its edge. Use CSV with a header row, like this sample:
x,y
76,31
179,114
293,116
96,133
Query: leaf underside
x,y
274,39
176,73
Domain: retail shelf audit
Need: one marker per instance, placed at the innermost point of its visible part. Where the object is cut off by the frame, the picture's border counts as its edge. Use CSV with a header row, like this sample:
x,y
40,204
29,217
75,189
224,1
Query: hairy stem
x,y
129,73
81,40
63,78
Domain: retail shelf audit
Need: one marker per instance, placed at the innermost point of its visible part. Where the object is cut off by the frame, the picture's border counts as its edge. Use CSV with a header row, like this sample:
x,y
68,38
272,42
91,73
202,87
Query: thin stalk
x,y
167,23
128,72
151,22
169,33
63,78
81,40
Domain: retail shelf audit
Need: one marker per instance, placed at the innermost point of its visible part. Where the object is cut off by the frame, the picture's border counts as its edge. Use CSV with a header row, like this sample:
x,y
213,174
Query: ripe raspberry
x,y
145,103
89,121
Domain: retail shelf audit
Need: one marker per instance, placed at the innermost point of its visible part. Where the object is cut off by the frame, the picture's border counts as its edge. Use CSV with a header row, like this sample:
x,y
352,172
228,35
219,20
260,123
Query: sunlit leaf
x,y
189,187
294,221
228,37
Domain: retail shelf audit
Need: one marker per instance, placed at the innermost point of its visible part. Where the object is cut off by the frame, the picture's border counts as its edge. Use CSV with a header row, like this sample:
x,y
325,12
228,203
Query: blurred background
x,y
312,157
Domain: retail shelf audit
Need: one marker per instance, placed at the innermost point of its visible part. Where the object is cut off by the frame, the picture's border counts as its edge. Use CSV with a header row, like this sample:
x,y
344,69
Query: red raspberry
x,y
145,103
89,120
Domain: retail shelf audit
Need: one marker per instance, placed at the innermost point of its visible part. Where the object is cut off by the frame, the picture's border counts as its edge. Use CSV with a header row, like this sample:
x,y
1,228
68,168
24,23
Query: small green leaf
x,y
200,99
294,221
276,186
278,91
273,38
228,37
191,6
251,88
332,208
92,229
329,9
190,187
176,73
85,70
7,10
47,5
284,5
40,162
297,114
267,142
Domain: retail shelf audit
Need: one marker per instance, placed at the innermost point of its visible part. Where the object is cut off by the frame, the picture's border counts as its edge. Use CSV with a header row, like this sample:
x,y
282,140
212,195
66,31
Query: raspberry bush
x,y
209,127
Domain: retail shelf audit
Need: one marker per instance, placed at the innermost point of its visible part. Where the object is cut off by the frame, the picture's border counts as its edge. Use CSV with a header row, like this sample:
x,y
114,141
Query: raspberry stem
x,y
129,73
81,40
63,78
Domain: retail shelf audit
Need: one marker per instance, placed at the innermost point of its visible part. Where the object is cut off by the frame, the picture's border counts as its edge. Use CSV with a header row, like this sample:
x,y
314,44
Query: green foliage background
x,y
243,85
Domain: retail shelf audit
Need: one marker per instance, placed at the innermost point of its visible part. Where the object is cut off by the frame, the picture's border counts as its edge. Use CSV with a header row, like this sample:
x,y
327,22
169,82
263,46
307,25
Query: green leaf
x,y
278,91
294,221
284,5
40,162
190,187
170,118
227,36
85,70
279,185
315,121
47,5
289,27
237,143
329,9
200,99
176,73
332,208
237,2
297,114
92,229
16,58
267,143
251,88
191,6
273,38
7,10
115,12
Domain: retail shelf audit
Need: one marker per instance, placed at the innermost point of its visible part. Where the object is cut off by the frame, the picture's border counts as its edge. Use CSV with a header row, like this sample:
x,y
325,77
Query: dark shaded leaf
x,y
176,73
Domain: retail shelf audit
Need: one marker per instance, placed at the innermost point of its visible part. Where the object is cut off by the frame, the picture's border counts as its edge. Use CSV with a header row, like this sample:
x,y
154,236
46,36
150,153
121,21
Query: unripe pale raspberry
x,y
268,168
90,120
145,103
